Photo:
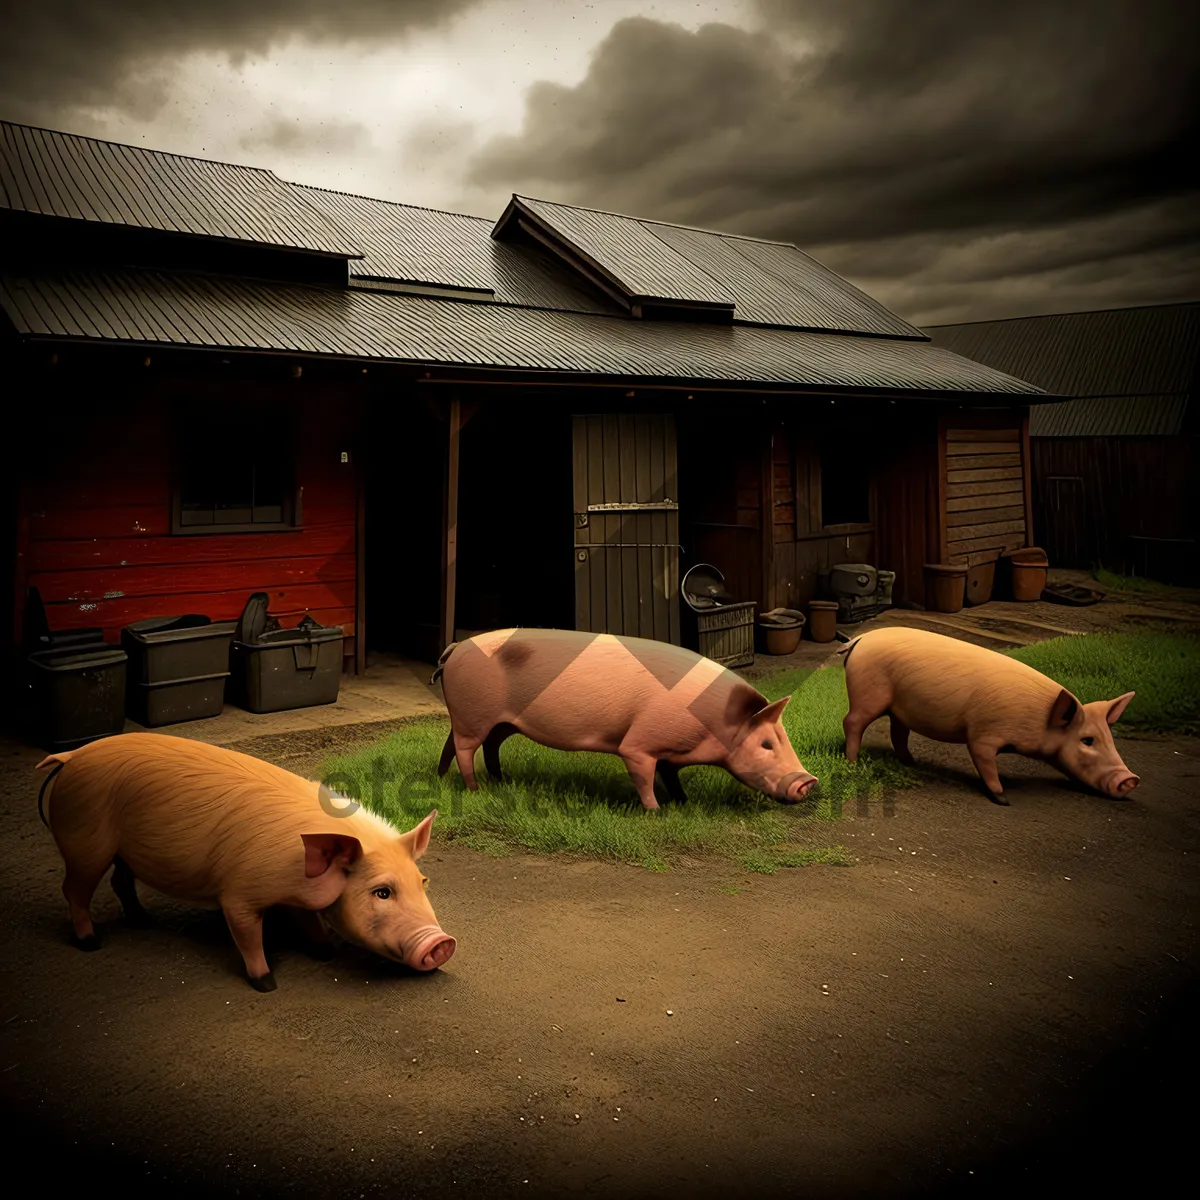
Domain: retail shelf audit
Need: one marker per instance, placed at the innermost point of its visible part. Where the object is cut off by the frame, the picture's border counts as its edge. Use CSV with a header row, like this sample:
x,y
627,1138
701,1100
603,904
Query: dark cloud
x,y
291,134
56,55
925,130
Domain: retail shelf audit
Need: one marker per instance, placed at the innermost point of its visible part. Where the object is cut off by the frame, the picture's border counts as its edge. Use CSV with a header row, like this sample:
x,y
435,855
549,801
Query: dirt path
x,y
990,998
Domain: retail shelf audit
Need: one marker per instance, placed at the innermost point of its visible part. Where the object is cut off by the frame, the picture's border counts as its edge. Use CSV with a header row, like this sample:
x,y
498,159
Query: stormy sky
x,y
959,159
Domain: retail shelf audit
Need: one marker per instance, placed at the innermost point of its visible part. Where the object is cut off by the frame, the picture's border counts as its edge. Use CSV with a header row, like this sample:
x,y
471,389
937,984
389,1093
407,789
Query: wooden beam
x,y
1026,471
765,519
943,481
361,469
450,523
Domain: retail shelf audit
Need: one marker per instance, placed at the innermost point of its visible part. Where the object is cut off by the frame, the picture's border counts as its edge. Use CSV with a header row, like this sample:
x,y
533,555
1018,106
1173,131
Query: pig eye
x,y
1087,741
384,893
767,746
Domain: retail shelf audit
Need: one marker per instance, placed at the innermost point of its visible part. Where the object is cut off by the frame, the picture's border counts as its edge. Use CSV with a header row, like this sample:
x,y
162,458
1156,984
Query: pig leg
x,y
869,700
983,755
900,733
79,887
247,930
670,776
491,749
124,885
464,752
641,766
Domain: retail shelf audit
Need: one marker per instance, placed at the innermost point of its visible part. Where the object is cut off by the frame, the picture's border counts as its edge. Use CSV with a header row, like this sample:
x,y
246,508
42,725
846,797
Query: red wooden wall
x,y
95,516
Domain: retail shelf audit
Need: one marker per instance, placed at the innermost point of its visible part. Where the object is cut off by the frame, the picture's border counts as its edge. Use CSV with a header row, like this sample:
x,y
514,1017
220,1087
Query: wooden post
x,y
767,521
1026,472
450,524
361,468
940,516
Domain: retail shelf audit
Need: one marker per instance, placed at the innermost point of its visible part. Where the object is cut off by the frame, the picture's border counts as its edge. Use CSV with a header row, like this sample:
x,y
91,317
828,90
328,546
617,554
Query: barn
x,y
1114,470
411,422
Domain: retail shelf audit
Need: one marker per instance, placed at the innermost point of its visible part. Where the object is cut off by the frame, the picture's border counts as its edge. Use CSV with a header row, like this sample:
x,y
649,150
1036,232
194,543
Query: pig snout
x,y
431,948
796,787
1121,783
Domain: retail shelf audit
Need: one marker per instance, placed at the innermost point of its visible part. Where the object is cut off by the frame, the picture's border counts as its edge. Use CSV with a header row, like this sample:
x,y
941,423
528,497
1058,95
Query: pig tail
x,y
42,793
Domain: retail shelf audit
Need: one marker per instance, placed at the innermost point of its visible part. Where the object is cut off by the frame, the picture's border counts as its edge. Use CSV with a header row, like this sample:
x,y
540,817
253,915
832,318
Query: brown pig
x,y
657,706
952,691
206,824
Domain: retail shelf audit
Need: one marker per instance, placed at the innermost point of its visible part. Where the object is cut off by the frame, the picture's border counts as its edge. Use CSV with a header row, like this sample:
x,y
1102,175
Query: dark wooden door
x,y
627,525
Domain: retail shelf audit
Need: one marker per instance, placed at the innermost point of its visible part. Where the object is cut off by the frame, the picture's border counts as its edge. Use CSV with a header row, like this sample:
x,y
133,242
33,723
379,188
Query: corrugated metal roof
x,y
1111,416
626,250
65,175
426,246
195,310
1152,351
770,283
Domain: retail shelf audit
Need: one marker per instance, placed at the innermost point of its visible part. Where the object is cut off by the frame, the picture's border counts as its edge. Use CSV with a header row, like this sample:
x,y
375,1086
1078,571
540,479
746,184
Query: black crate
x,y
74,694
290,668
178,667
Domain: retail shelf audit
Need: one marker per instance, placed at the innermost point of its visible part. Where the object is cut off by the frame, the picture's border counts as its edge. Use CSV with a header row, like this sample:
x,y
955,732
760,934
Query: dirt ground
x,y
988,998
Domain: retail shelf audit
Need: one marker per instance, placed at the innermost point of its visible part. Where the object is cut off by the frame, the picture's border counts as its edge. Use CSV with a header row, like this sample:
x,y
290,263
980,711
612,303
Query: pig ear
x,y
325,850
1065,710
770,714
1117,707
420,835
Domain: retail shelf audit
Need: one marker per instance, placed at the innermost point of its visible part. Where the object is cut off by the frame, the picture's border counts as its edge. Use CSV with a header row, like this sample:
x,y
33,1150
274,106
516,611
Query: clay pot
x,y
1029,567
945,587
822,620
780,630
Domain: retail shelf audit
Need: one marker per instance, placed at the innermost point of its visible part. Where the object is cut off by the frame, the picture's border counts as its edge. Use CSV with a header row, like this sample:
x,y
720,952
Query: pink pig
x,y
952,691
207,824
658,706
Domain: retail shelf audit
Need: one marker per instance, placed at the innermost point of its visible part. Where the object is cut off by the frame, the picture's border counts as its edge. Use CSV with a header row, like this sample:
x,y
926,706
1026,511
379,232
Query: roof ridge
x,y
445,212
87,137
1079,312
608,212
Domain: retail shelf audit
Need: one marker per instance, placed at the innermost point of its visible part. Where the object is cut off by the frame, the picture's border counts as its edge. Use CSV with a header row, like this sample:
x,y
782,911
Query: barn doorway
x,y
514,517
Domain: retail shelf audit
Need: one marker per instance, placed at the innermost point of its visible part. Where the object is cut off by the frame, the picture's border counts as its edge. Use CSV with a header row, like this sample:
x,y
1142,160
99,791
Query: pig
x,y
207,824
953,691
657,706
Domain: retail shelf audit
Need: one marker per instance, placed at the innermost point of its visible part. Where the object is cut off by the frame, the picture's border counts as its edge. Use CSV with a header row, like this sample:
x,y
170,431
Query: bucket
x,y
981,578
822,620
1028,580
780,630
945,587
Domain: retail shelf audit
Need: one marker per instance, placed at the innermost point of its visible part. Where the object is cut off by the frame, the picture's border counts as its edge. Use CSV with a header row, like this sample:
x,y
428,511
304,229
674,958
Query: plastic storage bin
x,y
278,669
177,668
74,694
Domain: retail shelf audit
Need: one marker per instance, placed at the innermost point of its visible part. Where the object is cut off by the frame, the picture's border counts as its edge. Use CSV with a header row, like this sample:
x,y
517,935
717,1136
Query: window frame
x,y
292,510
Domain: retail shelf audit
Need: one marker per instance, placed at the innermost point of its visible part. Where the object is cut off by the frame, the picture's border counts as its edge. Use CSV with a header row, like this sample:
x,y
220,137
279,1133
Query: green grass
x,y
585,805
1162,668
1129,583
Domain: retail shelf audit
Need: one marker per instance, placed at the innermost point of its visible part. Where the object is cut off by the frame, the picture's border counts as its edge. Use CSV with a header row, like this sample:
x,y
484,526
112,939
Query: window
x,y
235,483
845,486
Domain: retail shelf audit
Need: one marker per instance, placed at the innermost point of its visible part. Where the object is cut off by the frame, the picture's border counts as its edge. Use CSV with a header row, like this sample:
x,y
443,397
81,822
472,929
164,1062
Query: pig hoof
x,y
264,983
998,800
91,942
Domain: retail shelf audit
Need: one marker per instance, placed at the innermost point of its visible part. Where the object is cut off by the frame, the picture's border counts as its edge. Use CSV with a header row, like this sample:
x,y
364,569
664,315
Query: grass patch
x,y
584,804
1162,668
1130,583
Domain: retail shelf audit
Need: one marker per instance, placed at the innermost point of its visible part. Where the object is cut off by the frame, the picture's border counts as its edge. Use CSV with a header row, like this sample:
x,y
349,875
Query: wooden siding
x,y
985,505
99,546
1093,495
